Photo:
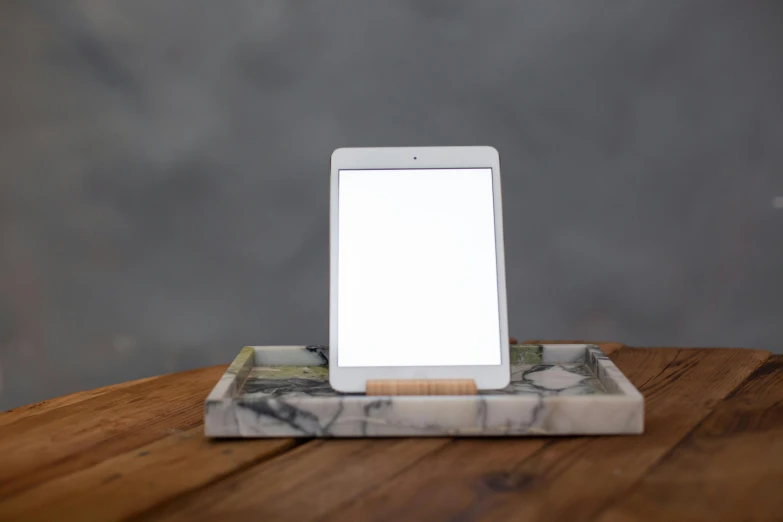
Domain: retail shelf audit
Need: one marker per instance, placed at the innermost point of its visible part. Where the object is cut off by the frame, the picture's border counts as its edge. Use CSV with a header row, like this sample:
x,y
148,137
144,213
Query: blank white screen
x,y
417,271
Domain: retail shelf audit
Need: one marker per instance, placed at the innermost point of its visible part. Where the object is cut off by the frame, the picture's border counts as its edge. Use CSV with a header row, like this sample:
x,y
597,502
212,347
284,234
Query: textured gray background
x,y
164,168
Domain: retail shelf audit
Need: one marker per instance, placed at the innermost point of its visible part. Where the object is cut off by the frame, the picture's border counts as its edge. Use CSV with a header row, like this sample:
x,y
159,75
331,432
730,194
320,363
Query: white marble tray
x,y
283,391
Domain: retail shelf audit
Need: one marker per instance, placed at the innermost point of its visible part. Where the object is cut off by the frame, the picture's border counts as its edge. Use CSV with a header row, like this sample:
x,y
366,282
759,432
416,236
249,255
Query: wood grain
x,y
69,438
729,468
712,450
302,484
570,479
38,408
421,387
134,481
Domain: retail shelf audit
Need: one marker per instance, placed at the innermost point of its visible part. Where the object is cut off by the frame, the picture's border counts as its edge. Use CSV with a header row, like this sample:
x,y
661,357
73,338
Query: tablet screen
x,y
417,269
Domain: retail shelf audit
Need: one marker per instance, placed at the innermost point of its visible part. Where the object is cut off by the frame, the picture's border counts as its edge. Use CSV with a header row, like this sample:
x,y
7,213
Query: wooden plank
x,y
301,484
569,479
322,477
73,437
729,468
38,408
541,479
130,483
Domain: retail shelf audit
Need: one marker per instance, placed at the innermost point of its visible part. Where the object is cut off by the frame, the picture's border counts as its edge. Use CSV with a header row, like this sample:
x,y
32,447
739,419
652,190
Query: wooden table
x,y
713,450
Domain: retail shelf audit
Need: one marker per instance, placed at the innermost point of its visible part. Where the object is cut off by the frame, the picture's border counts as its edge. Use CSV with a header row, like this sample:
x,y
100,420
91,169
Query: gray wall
x,y
164,168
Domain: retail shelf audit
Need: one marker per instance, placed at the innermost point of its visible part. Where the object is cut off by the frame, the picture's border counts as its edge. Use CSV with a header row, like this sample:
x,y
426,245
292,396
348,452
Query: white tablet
x,y
417,274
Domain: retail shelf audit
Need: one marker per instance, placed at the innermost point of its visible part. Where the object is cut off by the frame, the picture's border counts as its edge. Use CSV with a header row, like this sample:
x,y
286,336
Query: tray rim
x,y
622,409
235,375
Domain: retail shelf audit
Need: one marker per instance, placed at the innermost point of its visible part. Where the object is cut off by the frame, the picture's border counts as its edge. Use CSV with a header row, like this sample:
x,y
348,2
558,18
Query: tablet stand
x,y
421,387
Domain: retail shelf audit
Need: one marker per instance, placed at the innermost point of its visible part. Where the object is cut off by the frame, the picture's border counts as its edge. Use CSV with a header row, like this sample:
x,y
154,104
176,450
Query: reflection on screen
x,y
417,271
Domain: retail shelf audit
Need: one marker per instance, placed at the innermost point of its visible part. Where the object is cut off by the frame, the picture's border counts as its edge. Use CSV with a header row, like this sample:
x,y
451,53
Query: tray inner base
x,y
534,379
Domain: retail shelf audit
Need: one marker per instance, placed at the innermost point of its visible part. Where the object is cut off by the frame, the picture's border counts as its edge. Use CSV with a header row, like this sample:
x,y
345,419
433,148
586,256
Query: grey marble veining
x,y
283,391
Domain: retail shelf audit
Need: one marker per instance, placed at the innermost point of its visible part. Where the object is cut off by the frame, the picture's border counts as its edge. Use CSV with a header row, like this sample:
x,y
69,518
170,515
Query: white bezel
x,y
353,379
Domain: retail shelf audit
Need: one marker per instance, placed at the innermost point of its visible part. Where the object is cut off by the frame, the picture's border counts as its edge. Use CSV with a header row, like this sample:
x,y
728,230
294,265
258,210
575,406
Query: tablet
x,y
417,271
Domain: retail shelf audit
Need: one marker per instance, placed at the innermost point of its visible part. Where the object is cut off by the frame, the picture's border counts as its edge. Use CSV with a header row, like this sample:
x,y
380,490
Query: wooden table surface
x,y
712,450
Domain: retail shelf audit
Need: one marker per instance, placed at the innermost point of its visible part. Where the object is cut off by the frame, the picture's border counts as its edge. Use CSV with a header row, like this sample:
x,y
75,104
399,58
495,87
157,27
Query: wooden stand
x,y
422,387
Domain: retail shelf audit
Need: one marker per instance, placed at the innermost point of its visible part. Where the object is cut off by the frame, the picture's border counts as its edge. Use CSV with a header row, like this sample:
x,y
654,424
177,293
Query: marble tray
x,y
283,391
